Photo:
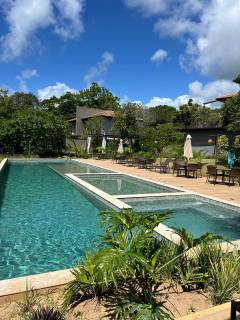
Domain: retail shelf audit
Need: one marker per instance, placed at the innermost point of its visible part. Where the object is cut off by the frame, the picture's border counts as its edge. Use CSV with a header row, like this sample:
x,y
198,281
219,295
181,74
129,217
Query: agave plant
x,y
46,313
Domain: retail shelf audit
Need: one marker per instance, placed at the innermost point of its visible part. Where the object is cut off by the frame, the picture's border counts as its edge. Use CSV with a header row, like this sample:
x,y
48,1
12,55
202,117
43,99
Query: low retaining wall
x,y
221,312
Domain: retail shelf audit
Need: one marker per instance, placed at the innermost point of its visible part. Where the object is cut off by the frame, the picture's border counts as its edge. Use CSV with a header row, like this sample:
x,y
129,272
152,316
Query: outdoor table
x,y
224,171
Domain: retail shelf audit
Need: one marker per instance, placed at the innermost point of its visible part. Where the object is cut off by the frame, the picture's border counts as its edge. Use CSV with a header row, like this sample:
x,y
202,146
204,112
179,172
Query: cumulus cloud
x,y
159,56
56,90
26,17
95,73
24,76
148,7
197,91
208,27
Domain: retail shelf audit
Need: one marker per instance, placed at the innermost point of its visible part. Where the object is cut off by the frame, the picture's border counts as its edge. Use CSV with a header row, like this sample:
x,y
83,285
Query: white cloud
x,y
197,91
159,56
56,90
69,23
95,73
26,17
148,7
208,27
25,75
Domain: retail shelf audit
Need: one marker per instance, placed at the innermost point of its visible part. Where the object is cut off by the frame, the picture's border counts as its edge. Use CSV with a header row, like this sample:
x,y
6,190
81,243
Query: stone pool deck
x,y
199,185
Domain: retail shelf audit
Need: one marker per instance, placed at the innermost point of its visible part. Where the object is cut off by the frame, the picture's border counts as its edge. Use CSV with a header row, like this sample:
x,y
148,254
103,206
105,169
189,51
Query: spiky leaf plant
x,y
46,313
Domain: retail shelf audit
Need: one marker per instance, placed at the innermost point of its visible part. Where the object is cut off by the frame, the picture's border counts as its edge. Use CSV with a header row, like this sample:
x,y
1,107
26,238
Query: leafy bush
x,y
225,275
222,149
127,274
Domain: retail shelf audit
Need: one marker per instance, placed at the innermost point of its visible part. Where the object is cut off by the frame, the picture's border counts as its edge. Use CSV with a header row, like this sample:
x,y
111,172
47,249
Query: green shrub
x,y
225,277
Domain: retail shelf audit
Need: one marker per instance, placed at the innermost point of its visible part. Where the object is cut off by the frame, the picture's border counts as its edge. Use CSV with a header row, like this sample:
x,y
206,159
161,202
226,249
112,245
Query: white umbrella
x,y
120,147
89,140
104,144
188,147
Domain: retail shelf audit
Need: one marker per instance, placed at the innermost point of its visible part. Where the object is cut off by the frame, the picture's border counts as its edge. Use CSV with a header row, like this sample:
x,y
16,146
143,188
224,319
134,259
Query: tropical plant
x,y
225,275
222,148
127,272
46,313
188,273
199,155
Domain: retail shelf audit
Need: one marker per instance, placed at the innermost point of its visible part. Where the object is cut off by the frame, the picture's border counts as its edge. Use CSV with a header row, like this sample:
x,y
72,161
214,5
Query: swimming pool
x,y
196,214
46,223
120,184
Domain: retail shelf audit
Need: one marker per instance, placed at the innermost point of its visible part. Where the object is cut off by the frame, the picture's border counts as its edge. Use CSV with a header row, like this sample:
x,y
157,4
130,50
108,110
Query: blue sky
x,y
153,51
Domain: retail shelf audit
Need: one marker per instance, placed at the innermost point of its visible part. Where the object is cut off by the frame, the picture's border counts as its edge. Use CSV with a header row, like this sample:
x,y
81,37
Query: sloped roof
x,y
224,98
104,113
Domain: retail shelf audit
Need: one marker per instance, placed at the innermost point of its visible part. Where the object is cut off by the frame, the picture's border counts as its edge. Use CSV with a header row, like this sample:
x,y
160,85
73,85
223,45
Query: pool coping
x,y
15,286
3,163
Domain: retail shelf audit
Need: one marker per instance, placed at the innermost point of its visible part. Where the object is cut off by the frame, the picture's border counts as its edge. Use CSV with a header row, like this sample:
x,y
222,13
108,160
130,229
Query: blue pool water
x,y
122,185
46,223
196,214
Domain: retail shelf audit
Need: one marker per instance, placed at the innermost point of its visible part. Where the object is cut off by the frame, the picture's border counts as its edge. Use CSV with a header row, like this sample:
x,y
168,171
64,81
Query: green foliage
x,y
93,126
98,97
33,132
237,79
156,139
172,151
222,148
197,116
225,275
128,272
199,155
24,100
159,115
46,313
231,114
78,152
127,121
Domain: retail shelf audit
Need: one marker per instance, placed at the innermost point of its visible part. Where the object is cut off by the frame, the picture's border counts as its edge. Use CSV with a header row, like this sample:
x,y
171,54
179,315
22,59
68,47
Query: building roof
x,y
104,113
224,98
71,120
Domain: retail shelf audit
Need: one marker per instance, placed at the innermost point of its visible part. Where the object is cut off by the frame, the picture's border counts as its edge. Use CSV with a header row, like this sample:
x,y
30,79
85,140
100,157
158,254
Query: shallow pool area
x,y
120,184
46,223
71,166
196,214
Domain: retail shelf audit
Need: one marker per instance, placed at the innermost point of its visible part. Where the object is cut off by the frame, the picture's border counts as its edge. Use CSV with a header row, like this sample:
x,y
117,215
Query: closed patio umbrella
x,y
120,146
188,147
89,140
104,144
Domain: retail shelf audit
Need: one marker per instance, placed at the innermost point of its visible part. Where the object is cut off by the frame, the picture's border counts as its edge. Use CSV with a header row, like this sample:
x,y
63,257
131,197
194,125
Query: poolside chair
x,y
233,175
163,166
213,174
180,167
192,170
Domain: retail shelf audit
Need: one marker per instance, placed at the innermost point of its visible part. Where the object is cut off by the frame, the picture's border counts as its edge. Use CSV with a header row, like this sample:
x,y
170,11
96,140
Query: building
x,y
202,136
83,114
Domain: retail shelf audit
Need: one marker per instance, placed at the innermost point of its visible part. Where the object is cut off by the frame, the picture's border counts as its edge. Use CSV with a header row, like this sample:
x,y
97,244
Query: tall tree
x,y
98,97
231,114
128,121
159,115
24,100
